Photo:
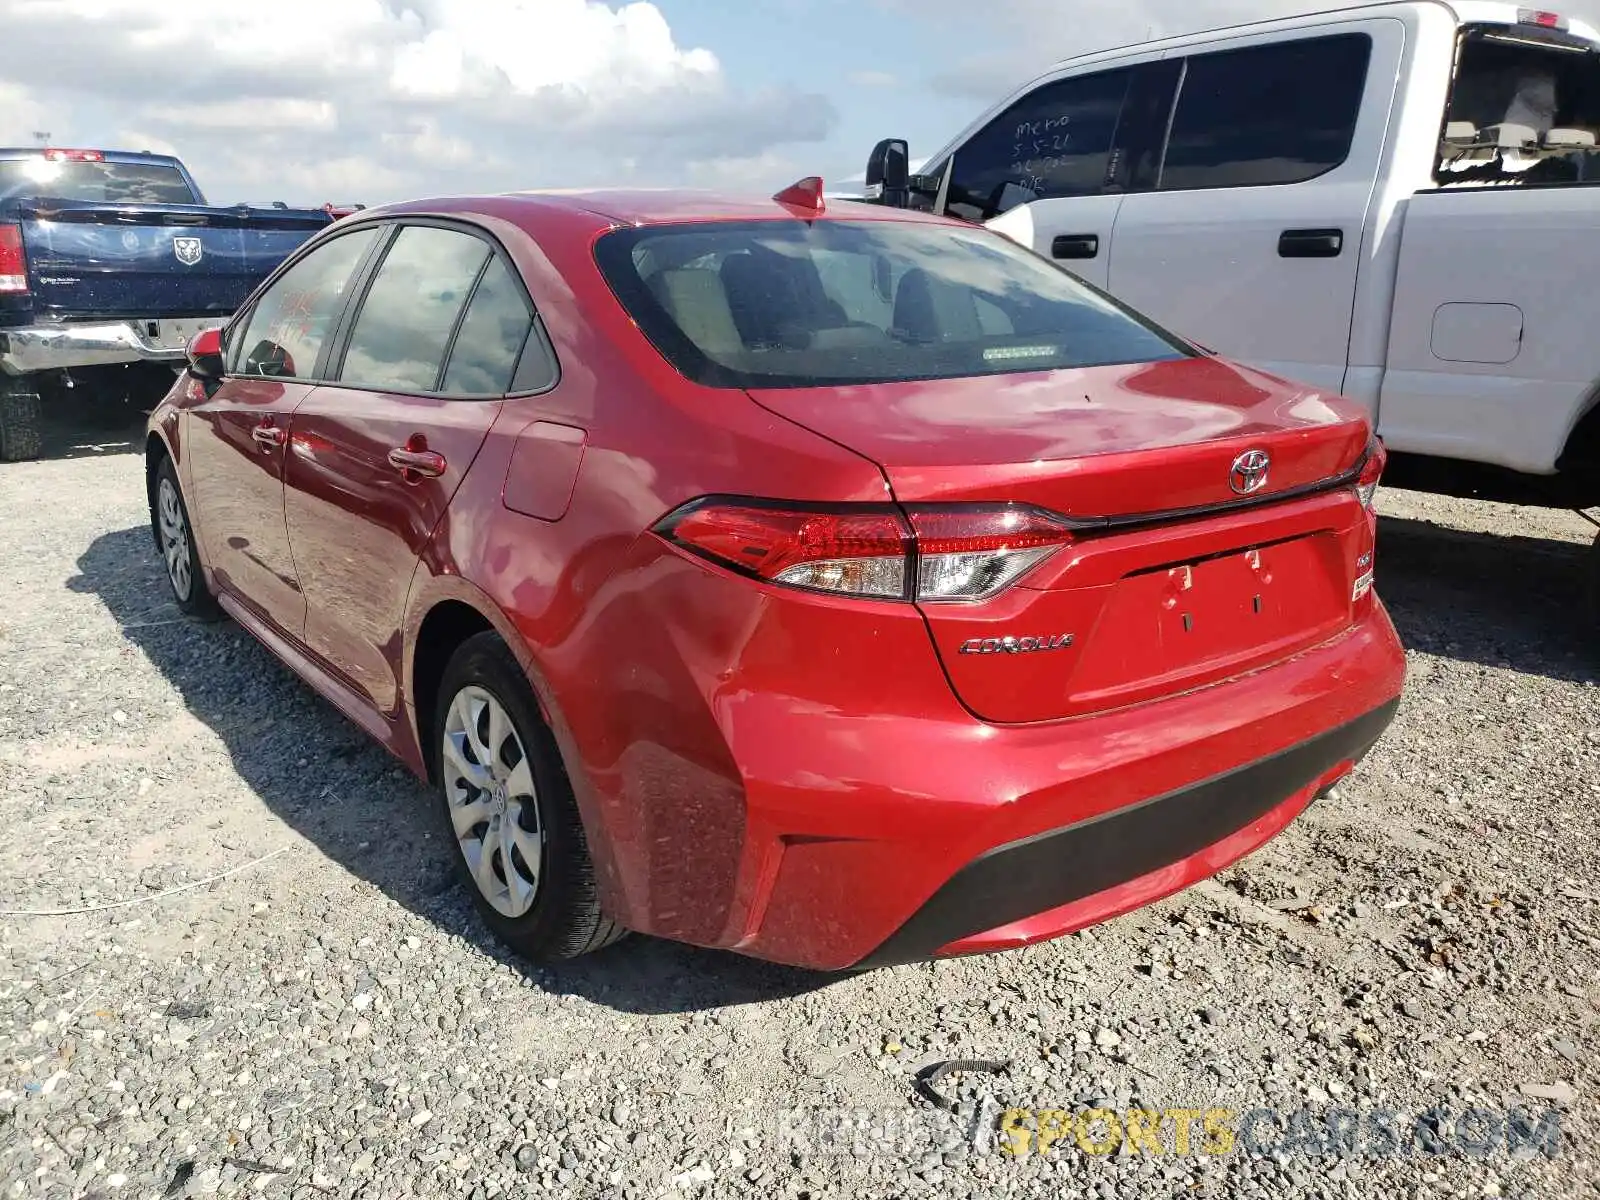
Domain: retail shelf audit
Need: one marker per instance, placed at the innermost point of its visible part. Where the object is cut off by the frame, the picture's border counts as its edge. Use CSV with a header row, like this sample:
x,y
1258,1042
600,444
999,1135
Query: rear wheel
x,y
509,811
175,538
1594,588
19,421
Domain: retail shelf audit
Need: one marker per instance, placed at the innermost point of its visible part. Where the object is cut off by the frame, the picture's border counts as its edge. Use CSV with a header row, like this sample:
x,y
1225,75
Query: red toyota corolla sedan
x,y
841,587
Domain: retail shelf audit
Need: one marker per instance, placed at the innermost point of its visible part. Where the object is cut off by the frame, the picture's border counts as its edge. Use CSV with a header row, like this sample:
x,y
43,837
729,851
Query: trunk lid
x,y
1093,442
1176,581
120,260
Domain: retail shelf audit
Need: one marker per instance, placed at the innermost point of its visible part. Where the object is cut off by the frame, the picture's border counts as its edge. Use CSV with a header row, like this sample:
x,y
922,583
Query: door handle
x,y
1310,243
412,461
1075,245
269,436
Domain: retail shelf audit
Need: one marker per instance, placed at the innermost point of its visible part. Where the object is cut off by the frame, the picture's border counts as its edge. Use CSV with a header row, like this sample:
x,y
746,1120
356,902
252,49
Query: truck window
x,y
1274,114
95,182
1522,110
1054,142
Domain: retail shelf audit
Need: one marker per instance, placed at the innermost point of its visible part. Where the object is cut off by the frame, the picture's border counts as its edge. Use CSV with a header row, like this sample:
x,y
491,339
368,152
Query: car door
x,y
376,454
235,440
1048,170
1250,240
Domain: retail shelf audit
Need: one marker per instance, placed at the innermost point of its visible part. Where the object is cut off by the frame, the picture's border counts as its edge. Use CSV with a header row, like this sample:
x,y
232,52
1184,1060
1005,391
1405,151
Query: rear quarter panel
x,y
1492,354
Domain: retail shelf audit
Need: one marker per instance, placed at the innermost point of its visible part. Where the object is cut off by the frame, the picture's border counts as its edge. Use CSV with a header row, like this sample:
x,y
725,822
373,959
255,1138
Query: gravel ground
x,y
330,1020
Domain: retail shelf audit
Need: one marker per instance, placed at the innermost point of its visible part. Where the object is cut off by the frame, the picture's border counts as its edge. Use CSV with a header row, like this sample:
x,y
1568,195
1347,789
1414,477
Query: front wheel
x,y
175,539
508,809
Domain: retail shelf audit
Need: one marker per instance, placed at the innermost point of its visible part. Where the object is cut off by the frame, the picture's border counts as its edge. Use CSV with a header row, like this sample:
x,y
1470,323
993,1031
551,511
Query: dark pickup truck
x,y
109,263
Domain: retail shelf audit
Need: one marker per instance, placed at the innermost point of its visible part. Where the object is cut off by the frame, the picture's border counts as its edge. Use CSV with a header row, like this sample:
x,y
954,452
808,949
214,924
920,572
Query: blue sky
x,y
376,100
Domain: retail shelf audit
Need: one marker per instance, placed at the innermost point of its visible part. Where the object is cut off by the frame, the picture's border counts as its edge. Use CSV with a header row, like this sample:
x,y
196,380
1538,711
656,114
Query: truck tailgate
x,y
144,261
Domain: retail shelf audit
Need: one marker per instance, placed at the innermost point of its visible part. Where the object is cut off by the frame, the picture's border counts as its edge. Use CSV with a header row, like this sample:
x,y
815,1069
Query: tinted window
x,y
1055,141
286,331
787,304
1268,114
95,182
398,341
491,338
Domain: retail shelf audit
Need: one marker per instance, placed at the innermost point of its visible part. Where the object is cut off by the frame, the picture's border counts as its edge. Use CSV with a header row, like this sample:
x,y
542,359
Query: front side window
x,y
1275,114
1054,142
285,332
400,336
770,304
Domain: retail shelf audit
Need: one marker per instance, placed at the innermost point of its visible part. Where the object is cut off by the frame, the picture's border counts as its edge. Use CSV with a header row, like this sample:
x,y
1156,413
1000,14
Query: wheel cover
x,y
488,784
174,539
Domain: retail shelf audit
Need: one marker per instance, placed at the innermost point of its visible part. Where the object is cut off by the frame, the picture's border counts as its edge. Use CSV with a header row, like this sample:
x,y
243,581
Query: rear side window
x,y
496,327
1275,114
95,182
285,332
771,304
1055,141
400,336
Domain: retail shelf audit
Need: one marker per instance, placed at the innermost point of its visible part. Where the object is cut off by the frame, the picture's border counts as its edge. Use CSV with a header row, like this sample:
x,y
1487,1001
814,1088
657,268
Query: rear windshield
x,y
96,182
1524,110
779,304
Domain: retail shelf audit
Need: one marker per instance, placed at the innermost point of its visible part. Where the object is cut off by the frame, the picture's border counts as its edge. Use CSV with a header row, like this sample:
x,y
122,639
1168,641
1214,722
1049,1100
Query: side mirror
x,y
205,354
889,173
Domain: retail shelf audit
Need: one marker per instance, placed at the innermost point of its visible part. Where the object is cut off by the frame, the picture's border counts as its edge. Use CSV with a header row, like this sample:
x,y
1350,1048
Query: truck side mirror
x,y
205,354
889,173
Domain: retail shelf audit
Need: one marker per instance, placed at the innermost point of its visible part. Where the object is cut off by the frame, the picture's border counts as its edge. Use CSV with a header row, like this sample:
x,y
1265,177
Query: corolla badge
x,y
1249,473
1016,645
188,250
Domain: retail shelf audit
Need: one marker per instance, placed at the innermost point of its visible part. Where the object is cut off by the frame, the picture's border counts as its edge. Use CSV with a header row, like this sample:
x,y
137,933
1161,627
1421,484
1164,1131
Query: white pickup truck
x,y
1397,201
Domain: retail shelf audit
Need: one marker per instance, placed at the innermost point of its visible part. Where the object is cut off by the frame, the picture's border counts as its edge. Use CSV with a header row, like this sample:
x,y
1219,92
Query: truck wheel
x,y
19,423
1594,584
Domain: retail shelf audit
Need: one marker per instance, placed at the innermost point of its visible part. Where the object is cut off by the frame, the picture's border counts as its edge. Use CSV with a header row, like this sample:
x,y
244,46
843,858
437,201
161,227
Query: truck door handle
x,y
1310,243
269,436
1075,245
412,460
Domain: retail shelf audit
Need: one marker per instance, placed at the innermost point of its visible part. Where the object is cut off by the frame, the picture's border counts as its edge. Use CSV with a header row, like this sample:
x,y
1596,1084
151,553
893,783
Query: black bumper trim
x,y
1050,869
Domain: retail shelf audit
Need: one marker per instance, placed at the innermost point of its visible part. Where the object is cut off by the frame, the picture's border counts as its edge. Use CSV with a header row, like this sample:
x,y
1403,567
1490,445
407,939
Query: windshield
x,y
768,304
96,182
1524,109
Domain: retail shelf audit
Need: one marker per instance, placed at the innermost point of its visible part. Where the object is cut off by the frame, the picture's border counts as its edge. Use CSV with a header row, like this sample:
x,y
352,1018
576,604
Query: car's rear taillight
x,y
931,554
1371,472
13,262
975,553
859,552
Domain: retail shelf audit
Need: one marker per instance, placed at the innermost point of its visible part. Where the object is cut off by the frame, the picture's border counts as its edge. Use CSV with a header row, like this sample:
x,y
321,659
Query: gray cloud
x,y
422,96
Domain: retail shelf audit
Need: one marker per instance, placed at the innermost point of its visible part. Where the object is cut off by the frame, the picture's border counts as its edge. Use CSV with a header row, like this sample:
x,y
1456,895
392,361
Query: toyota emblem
x,y
1249,473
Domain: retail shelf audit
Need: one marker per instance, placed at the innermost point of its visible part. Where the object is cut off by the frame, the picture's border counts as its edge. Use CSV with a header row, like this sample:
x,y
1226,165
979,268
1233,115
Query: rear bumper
x,y
1048,885
958,837
57,347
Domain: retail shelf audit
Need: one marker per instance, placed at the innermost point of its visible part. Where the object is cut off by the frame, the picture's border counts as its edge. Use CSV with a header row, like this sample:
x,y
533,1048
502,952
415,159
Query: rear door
x,y
235,441
376,455
1250,240
1050,169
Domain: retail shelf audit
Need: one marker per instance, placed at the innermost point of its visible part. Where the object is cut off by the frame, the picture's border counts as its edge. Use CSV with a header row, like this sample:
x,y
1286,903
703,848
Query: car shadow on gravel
x,y
1497,599
327,781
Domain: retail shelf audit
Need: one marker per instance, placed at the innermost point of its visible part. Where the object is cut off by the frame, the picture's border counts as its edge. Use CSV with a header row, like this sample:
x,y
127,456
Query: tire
x,y
1594,589
174,534
545,911
20,438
